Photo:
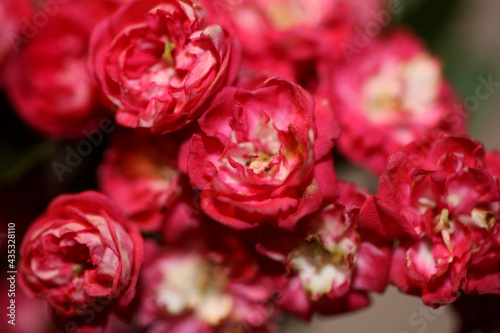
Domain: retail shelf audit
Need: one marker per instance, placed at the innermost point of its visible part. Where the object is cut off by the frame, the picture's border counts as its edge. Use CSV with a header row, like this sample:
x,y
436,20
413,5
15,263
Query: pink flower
x,y
440,202
299,28
82,249
390,94
139,172
288,38
254,157
159,63
202,288
48,82
330,268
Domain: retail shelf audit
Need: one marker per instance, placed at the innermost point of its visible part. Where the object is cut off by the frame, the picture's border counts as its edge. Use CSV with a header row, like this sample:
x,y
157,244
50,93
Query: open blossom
x,y
330,268
287,38
139,172
48,82
441,203
254,157
82,249
199,289
159,63
299,28
390,94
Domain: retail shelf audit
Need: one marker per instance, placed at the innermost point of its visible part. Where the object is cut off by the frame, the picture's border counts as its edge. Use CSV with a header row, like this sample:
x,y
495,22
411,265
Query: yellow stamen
x,y
167,54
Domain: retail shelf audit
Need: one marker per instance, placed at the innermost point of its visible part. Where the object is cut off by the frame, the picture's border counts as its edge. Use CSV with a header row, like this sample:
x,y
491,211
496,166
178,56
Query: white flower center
x,y
262,154
411,87
193,284
321,270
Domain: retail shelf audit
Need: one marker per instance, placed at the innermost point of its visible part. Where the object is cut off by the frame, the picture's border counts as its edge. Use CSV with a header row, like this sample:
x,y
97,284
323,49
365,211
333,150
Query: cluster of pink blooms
x,y
219,209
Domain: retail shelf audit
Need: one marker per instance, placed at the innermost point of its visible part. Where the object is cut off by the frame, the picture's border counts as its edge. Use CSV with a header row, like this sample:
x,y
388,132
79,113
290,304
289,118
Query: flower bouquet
x,y
192,148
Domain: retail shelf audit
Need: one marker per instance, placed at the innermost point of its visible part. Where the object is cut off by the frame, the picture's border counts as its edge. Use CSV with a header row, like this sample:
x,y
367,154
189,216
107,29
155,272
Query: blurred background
x,y
463,32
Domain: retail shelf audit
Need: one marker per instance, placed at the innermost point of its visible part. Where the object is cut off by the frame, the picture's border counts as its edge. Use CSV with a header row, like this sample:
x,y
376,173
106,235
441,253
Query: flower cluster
x,y
217,207
440,200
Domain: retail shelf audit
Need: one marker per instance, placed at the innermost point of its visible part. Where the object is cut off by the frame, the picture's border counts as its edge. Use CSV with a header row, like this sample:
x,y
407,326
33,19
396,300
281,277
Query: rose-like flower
x,y
254,157
290,38
389,95
159,63
48,82
441,204
330,268
139,172
82,249
197,289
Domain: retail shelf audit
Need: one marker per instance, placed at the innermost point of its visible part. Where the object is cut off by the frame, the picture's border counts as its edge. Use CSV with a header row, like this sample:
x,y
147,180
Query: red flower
x,y
287,38
330,268
139,172
159,63
82,249
196,288
441,203
48,82
254,157
11,13
390,94
297,28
